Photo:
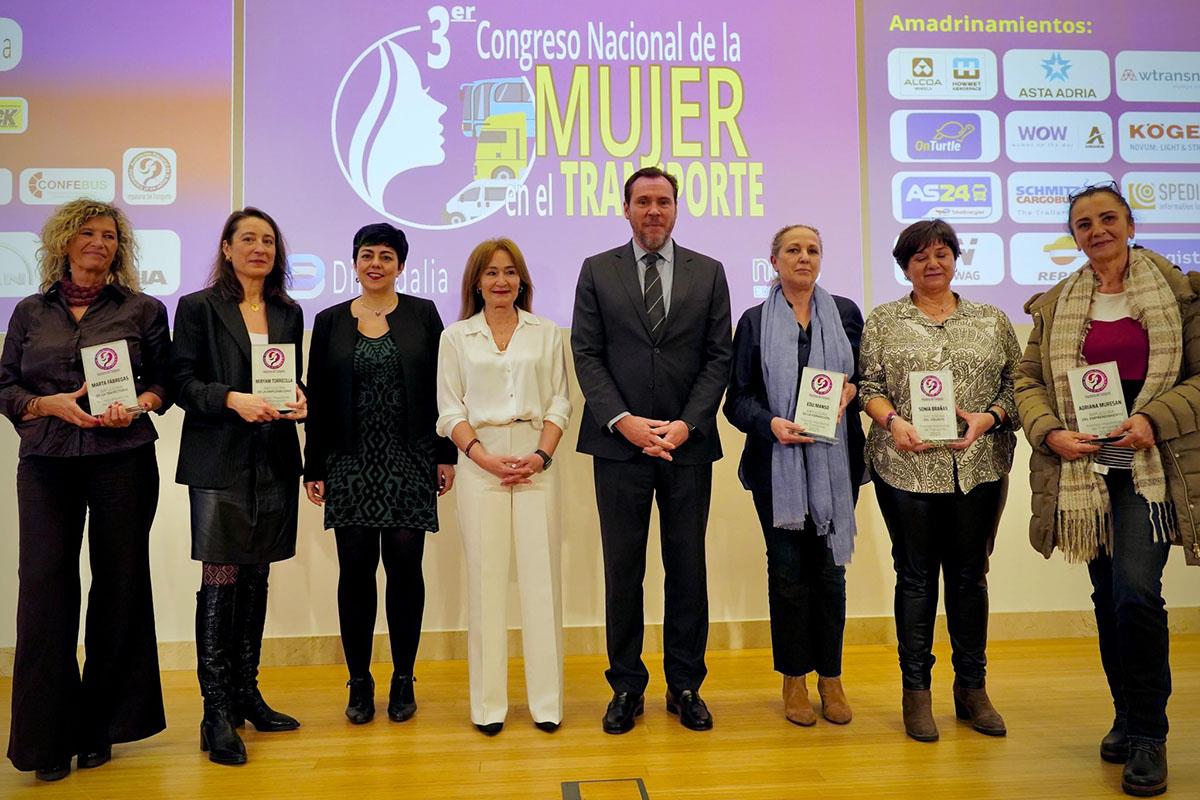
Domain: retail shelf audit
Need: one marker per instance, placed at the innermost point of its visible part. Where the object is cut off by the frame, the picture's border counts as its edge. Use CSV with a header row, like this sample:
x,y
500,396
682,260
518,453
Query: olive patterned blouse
x,y
977,344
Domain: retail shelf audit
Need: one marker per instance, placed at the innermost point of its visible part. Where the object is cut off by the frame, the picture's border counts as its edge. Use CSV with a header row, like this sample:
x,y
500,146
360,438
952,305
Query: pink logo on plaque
x,y
931,386
273,358
822,384
1094,380
106,358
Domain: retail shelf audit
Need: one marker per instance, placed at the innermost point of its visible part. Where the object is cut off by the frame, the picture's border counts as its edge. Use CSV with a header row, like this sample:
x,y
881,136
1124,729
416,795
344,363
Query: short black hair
x,y
650,172
381,233
919,235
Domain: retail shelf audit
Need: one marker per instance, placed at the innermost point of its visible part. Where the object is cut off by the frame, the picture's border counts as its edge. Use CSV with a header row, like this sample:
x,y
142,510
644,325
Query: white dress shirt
x,y
479,383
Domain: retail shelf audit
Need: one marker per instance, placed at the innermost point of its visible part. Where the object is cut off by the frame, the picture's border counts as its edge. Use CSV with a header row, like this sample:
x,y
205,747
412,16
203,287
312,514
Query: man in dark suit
x,y
651,338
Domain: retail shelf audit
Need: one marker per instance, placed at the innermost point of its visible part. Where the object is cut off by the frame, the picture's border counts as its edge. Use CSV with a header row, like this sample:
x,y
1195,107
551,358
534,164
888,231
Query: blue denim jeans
x,y
1131,615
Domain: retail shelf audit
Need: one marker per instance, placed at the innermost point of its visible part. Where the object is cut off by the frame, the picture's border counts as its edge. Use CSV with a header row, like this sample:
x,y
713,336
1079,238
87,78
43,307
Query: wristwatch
x,y
999,422
546,459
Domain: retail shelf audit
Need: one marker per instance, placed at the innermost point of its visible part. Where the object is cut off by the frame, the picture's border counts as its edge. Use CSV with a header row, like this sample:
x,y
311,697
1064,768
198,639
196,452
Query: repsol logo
x,y
1156,130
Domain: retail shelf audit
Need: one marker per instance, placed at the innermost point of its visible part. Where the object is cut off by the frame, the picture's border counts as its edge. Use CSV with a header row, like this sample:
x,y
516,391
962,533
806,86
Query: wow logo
x,y
931,386
822,385
389,132
273,358
106,358
1095,381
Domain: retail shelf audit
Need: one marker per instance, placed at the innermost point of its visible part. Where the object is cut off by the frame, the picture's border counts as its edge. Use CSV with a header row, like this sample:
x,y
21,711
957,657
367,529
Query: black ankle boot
x,y
361,707
402,702
214,631
251,617
1114,747
1145,772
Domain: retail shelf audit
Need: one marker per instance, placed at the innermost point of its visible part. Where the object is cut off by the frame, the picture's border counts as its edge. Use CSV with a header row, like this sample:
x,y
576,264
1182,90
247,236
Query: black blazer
x,y
746,402
210,357
680,374
416,329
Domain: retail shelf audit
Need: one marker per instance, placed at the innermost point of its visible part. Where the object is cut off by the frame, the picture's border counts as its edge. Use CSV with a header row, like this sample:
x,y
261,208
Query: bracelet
x,y
889,419
467,449
999,422
546,459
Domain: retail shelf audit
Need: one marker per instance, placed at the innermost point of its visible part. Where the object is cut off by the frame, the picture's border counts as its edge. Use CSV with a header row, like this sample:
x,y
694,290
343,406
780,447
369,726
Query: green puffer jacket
x,y
1175,414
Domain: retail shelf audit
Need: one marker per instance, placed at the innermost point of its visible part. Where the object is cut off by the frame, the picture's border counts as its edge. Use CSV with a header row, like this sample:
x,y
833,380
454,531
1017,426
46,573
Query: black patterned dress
x,y
389,481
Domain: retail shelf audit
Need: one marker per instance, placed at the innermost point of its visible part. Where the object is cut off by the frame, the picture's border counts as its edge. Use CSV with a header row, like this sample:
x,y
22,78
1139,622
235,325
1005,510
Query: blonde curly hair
x,y
61,228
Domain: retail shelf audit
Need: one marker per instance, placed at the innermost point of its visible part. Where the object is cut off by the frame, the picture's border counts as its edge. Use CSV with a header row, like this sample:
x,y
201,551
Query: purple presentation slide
x,y
522,119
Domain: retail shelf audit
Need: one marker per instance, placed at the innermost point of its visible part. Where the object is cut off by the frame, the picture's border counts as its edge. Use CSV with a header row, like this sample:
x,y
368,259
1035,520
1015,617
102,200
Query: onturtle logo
x,y
273,358
1095,381
822,385
389,136
931,386
106,359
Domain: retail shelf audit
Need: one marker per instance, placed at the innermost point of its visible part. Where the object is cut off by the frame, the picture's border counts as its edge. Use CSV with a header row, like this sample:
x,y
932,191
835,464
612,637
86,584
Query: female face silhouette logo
x,y
399,129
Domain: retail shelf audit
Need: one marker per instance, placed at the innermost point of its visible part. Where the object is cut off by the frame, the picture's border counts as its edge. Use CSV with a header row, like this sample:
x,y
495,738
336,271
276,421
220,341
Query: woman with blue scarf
x,y
804,491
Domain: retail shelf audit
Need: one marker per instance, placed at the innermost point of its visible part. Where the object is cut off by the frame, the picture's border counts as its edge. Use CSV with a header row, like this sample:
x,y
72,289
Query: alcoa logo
x,y
387,131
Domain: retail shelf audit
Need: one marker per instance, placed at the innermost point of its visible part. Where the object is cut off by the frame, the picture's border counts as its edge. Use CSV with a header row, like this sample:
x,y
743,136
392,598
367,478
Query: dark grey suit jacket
x,y
210,357
679,374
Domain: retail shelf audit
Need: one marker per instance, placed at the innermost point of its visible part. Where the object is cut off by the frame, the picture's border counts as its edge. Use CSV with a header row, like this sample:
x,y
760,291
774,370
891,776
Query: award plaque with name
x,y
109,375
1097,396
933,407
817,403
273,369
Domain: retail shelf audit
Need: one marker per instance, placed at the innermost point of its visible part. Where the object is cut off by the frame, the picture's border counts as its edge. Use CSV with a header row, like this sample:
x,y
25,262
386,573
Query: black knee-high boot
x,y
250,617
214,638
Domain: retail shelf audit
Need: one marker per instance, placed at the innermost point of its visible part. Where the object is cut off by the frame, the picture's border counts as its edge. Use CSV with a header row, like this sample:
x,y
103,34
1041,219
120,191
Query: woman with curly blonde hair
x,y
80,463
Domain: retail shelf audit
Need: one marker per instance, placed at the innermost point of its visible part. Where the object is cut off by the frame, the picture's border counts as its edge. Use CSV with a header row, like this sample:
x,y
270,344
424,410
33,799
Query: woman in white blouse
x,y
502,398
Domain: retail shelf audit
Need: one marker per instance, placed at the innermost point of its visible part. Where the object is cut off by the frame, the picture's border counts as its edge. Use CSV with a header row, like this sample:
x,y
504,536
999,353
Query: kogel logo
x,y
1160,137
961,196
950,135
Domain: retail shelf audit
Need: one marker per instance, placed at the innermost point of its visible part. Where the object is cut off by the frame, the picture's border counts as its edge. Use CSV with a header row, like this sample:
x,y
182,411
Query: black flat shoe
x,y
95,757
692,711
548,727
1145,772
361,707
402,703
622,711
54,773
1114,747
491,729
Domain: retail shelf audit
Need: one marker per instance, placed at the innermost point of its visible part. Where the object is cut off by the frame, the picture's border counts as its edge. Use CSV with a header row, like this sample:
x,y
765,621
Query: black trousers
x,y
624,493
807,596
1131,615
953,533
55,712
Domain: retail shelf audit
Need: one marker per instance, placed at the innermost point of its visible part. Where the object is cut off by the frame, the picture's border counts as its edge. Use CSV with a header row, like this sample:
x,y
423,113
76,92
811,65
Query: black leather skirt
x,y
252,521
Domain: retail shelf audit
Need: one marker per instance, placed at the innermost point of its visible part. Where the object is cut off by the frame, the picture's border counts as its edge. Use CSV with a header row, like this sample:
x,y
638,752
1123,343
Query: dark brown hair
x,y
481,256
919,235
650,172
1101,188
225,281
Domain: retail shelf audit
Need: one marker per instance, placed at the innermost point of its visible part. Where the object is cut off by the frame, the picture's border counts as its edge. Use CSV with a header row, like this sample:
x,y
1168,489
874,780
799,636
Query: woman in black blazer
x,y
240,458
372,459
804,491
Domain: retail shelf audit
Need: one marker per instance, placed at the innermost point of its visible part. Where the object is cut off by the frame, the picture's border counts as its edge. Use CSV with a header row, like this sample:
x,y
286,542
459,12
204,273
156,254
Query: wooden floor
x,y
1052,694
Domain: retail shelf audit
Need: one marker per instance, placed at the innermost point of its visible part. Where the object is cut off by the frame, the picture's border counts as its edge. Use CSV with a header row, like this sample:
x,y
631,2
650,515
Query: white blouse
x,y
483,385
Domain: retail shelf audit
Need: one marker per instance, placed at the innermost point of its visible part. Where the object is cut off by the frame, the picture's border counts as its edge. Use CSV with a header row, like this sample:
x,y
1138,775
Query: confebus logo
x,y
14,114
1043,259
1160,137
822,385
11,37
1158,76
1057,75
52,186
308,276
1058,137
151,176
953,196
389,131
931,386
1044,197
106,359
1181,249
980,261
273,358
951,135
1167,197
941,73
1095,381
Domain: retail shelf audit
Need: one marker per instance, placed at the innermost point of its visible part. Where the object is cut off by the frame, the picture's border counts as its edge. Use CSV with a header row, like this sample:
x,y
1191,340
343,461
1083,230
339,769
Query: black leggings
x,y
358,559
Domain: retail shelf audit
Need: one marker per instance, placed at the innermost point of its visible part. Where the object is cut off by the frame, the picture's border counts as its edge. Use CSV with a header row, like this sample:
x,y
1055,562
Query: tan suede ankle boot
x,y
973,705
834,706
918,715
796,705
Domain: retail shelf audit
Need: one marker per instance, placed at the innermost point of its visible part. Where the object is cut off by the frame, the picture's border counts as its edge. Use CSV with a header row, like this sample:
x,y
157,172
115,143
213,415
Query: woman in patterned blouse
x,y
941,501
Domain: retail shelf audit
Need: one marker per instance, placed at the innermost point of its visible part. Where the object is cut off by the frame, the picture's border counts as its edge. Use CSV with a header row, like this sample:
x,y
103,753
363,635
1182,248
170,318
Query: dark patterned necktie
x,y
653,294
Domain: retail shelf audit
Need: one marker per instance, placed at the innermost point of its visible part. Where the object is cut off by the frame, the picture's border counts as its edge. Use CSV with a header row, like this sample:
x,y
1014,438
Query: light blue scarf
x,y
808,480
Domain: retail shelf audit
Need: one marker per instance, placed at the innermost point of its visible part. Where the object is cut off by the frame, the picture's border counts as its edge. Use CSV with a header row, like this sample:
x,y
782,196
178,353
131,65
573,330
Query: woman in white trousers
x,y
502,398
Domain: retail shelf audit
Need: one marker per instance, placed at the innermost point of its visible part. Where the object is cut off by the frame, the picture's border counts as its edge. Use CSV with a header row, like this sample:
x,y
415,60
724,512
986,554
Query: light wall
x,y
303,590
